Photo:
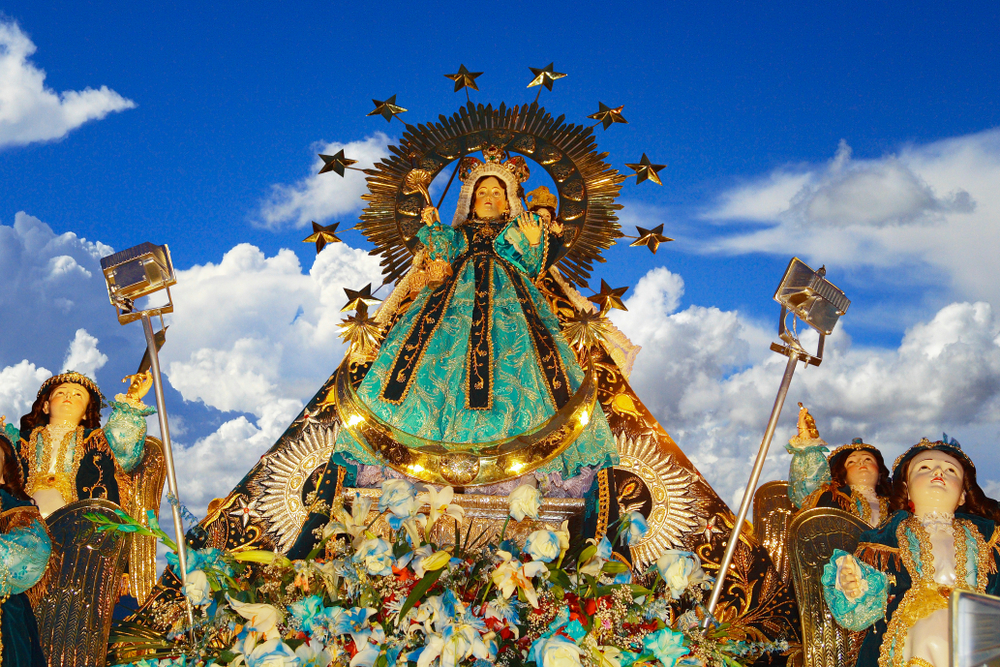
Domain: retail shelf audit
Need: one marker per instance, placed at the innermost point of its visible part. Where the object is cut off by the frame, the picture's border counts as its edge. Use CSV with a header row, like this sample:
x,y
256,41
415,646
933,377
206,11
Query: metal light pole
x,y
810,297
130,275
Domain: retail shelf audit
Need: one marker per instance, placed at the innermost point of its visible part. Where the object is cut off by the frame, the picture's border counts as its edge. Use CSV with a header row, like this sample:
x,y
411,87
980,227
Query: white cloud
x,y
83,355
53,287
709,378
925,212
252,328
18,385
321,197
29,111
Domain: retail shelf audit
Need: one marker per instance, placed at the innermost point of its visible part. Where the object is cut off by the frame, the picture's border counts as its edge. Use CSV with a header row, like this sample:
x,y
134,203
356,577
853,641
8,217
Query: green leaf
x,y
419,590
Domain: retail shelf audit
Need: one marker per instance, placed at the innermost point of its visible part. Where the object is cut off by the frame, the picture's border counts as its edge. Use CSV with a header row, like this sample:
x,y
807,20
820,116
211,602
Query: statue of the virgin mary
x,y
477,359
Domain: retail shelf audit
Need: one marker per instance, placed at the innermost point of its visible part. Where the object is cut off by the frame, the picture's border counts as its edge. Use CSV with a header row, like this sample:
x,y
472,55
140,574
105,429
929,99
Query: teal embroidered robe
x,y
24,554
891,574
480,357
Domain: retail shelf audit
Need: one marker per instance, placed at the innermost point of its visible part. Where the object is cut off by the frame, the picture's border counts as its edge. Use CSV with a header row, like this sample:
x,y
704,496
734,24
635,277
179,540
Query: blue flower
x,y
604,548
543,545
637,527
354,622
399,497
376,556
309,611
666,645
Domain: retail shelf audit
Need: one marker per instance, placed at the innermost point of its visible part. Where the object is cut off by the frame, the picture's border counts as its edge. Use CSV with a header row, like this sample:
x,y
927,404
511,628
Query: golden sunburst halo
x,y
671,487
279,481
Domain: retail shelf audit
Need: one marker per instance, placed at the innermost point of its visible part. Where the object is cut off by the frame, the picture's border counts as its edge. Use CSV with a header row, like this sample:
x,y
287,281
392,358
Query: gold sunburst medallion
x,y
279,482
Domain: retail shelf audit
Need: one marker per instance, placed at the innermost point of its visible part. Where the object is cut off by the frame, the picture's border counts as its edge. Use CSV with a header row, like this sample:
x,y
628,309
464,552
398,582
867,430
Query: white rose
x,y
679,569
197,589
557,651
525,501
543,545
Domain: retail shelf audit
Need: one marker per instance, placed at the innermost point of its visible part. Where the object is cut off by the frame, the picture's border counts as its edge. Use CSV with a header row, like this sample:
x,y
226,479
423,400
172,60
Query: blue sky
x,y
845,134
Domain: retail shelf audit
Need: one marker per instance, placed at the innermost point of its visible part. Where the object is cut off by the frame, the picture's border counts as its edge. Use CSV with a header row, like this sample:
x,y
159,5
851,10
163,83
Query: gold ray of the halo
x,y
465,464
587,185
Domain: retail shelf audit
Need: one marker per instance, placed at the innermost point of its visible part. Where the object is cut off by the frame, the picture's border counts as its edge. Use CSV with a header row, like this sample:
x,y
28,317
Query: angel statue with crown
x,y
478,356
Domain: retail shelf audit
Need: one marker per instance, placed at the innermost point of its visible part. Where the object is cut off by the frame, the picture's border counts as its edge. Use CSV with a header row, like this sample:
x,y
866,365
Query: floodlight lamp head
x,y
137,272
811,297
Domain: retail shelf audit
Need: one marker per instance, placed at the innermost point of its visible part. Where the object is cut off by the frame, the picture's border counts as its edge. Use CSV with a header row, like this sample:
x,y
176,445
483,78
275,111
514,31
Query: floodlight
x,y
137,272
132,274
806,295
813,298
975,629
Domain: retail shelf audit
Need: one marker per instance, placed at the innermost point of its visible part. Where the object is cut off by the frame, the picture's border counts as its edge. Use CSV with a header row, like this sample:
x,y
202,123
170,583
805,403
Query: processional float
x,y
268,508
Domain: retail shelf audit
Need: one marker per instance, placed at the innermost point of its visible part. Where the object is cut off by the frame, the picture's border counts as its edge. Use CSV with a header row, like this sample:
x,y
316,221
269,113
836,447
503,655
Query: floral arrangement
x,y
401,601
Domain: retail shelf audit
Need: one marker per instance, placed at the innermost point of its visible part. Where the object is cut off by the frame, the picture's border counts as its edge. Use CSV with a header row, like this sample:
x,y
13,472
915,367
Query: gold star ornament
x,y
544,76
361,332
322,235
337,163
358,298
651,238
608,116
587,329
387,109
609,298
463,78
646,170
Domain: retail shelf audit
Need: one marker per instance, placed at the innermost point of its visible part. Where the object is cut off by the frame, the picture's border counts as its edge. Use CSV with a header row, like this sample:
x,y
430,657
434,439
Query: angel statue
x,y
478,355
941,538
66,456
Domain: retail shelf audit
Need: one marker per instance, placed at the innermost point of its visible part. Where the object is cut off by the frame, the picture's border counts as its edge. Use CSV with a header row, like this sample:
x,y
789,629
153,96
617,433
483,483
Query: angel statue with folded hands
x,y
940,538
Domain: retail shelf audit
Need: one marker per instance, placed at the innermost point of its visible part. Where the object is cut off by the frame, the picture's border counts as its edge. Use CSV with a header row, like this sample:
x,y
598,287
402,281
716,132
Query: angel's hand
x,y
531,226
849,577
139,384
430,215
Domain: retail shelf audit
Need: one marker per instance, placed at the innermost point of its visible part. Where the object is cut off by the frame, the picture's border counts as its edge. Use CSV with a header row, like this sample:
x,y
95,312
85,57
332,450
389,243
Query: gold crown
x,y
541,197
76,378
517,165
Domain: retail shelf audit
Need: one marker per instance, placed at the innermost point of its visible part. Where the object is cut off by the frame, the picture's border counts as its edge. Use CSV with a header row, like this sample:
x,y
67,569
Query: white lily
x,y
511,575
441,505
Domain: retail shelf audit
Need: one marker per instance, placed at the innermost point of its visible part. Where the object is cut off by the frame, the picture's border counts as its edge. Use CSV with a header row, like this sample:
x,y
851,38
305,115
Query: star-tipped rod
x,y
609,297
463,78
607,115
337,163
388,109
544,77
322,235
646,170
651,238
358,298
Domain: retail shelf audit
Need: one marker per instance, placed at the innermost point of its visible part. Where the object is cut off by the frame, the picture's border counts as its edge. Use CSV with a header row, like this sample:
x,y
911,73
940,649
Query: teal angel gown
x,y
480,357
24,555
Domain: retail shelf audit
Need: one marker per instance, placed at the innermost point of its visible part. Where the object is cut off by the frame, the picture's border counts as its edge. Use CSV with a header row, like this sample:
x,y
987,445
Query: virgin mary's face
x,y
67,404
491,198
